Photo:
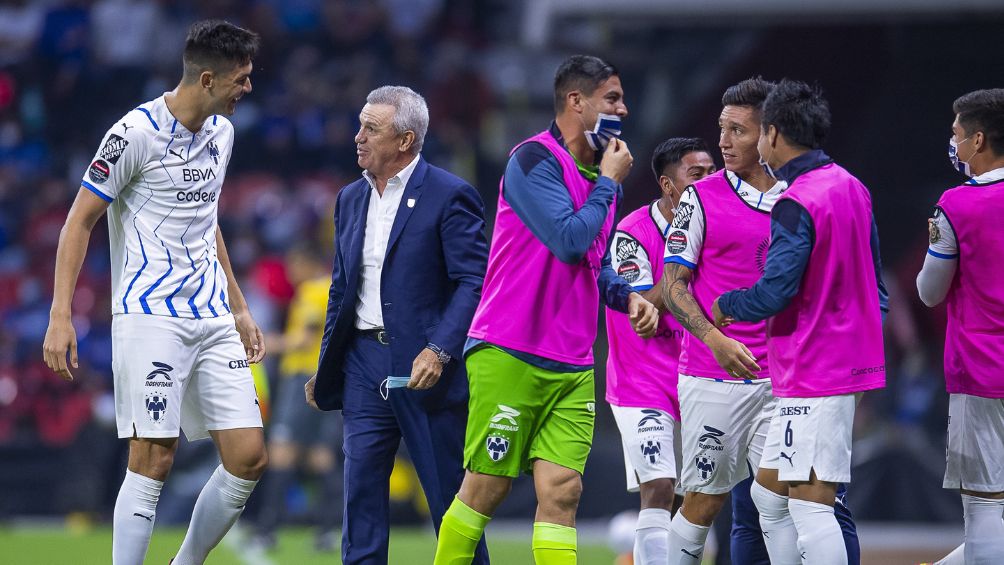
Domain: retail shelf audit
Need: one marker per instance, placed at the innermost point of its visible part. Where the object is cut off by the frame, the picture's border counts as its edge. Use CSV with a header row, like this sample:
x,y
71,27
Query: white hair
x,y
412,114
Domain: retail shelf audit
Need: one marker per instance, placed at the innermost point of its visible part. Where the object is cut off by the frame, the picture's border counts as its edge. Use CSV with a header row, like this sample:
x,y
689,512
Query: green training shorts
x,y
519,412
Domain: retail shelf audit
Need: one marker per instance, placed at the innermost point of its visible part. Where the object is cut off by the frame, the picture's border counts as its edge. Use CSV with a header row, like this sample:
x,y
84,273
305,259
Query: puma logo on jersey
x,y
177,154
126,128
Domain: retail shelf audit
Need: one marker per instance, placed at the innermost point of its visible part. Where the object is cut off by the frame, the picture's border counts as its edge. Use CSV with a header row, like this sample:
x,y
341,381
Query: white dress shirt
x,y
379,221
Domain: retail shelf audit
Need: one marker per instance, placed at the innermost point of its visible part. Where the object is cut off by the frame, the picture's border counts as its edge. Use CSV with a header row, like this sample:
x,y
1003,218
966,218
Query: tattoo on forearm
x,y
682,304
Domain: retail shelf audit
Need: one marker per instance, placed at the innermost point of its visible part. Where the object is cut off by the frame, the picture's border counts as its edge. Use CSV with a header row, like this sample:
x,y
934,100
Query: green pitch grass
x,y
408,546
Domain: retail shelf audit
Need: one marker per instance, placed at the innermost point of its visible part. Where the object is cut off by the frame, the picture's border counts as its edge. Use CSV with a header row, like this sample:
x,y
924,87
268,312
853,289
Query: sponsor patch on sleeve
x,y
629,271
676,243
113,148
98,171
682,218
627,247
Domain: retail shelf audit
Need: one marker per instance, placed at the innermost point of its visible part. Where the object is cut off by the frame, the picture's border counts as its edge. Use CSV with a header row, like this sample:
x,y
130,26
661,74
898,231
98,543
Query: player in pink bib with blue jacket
x,y
822,293
529,356
961,268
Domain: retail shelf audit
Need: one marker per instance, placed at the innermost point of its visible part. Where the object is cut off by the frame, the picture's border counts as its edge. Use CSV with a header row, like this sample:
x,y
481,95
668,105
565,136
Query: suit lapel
x,y
358,236
409,200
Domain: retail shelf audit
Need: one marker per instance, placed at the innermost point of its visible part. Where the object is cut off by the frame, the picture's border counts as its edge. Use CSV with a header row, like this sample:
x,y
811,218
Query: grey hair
x,y
412,114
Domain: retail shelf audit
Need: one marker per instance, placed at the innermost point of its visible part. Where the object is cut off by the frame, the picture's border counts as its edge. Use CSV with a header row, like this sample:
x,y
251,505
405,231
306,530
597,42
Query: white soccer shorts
x,y
174,374
724,425
975,454
649,437
809,434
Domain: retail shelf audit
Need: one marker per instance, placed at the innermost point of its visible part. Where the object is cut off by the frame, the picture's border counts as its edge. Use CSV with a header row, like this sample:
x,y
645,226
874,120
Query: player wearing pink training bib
x,y
962,269
641,373
822,293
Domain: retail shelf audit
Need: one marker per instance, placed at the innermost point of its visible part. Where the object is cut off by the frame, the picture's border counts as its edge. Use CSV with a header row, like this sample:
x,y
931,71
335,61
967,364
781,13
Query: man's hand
x,y
643,314
425,370
617,161
60,337
733,356
251,336
721,320
308,392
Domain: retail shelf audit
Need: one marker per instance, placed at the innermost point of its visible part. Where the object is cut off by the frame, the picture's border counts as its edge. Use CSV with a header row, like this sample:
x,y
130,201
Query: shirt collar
x,y
988,177
779,186
400,180
802,164
658,218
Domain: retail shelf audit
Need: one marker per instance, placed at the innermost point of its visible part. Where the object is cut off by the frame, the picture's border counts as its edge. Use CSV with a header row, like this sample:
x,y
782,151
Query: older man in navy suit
x,y
410,261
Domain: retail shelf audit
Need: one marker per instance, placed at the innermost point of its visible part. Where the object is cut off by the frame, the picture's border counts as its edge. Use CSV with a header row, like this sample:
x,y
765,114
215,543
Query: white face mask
x,y
608,126
953,156
766,167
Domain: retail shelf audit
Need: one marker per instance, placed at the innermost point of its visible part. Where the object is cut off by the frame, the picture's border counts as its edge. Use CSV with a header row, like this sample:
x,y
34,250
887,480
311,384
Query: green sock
x,y
459,534
553,544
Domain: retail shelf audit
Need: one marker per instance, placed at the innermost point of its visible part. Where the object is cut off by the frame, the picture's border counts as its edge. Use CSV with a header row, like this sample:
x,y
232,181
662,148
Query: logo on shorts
x,y
507,415
160,371
238,364
650,422
788,457
705,467
591,407
709,439
156,407
497,446
651,449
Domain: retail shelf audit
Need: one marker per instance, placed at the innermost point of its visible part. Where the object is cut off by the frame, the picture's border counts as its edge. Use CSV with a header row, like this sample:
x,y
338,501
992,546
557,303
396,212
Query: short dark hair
x,y
750,92
799,112
983,110
218,46
584,73
672,151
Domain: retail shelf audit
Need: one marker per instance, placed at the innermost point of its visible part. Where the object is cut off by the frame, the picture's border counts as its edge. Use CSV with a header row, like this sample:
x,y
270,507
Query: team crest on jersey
x,y
683,214
113,148
676,243
498,447
627,247
99,171
214,152
156,407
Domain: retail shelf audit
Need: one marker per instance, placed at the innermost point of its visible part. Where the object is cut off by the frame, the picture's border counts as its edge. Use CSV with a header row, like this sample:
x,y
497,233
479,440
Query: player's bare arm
x,y
732,355
251,335
60,337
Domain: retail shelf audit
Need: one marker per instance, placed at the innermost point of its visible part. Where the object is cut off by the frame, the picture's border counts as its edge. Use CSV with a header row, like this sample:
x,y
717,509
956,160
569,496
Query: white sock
x,y
686,541
819,537
651,537
132,522
219,505
956,557
779,533
984,529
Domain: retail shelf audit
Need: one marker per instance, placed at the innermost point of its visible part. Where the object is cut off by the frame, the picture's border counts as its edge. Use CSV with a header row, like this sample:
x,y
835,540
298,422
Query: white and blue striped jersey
x,y
163,183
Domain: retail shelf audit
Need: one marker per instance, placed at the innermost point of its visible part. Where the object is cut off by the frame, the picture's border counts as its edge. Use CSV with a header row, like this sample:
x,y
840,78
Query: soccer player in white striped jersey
x,y
182,335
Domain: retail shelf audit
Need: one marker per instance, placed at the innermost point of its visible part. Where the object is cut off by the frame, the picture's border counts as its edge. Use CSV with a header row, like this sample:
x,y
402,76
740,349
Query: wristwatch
x,y
441,353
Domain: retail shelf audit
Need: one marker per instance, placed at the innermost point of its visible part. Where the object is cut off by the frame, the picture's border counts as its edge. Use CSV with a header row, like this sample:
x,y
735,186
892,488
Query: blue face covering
x,y
953,156
607,127
392,382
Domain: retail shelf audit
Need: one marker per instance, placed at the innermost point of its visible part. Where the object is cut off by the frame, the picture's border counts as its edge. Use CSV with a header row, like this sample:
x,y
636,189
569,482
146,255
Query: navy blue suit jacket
x,y
431,282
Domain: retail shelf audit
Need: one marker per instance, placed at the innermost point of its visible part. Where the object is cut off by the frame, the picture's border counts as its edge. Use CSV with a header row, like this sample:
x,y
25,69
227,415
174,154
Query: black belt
x,y
379,334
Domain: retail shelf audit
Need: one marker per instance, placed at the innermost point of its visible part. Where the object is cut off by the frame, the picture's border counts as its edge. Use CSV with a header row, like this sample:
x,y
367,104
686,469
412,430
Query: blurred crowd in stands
x,y
70,68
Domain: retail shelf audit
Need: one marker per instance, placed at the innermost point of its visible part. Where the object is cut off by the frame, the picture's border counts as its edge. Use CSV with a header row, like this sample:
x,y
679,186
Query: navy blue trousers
x,y
747,543
373,429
